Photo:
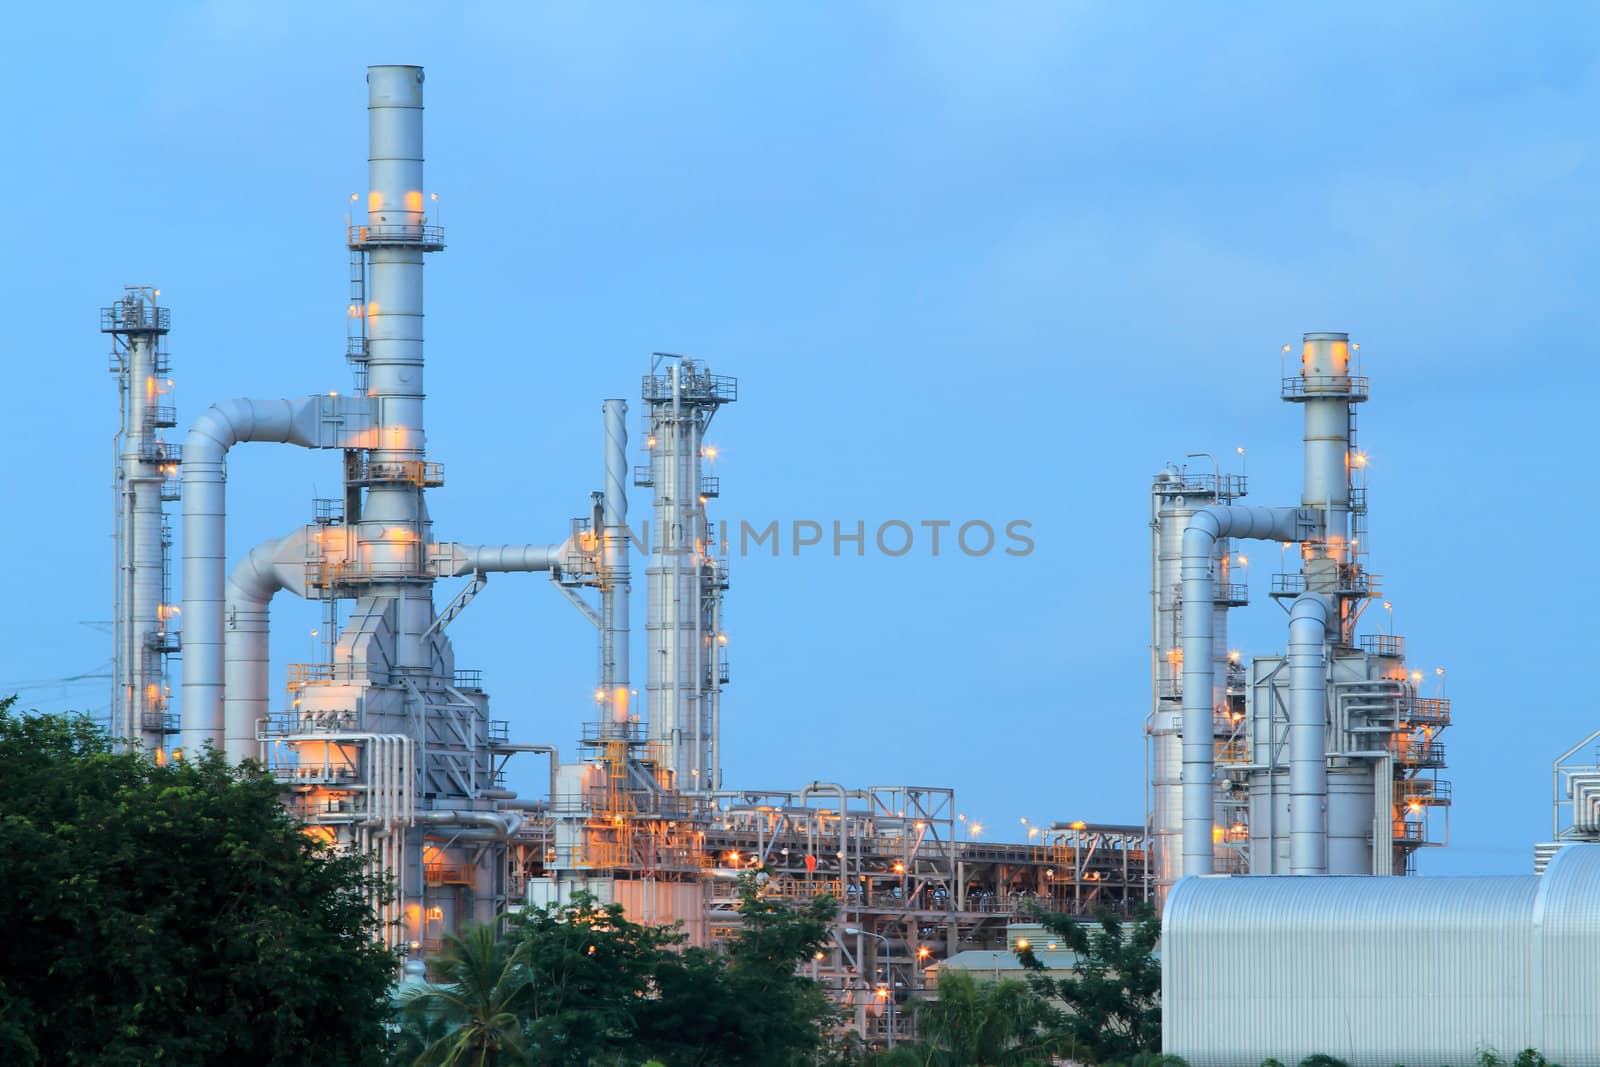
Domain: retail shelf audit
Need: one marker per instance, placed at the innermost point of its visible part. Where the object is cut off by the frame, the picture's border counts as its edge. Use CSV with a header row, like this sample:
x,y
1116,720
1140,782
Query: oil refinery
x,y
1322,759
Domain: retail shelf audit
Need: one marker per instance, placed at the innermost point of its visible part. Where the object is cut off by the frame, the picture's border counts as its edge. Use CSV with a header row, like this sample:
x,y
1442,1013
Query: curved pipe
x,y
1308,730
266,569
204,467
1200,536
502,823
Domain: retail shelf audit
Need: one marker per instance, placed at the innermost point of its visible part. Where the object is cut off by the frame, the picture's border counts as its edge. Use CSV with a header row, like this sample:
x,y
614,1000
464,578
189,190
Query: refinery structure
x,y
1322,759
393,751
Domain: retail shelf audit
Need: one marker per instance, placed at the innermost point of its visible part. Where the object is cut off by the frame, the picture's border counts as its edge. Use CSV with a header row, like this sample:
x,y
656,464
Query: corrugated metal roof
x,y
1379,971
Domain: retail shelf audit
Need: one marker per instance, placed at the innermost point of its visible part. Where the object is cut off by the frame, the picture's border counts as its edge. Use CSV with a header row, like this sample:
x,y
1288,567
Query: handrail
x,y
1314,386
422,235
1382,644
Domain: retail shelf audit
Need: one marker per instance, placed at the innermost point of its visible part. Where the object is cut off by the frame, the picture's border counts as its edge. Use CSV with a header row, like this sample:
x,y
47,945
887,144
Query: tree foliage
x,y
583,985
1112,997
470,1017
589,971
983,1023
172,914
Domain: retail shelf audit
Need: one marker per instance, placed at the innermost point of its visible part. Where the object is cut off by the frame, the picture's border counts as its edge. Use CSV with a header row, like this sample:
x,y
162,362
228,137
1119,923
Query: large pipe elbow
x,y
501,824
1261,524
1205,527
225,424
205,450
271,566
1310,618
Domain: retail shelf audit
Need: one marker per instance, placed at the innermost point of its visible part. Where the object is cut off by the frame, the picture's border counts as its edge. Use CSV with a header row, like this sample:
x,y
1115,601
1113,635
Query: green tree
x,y
173,914
777,1015
603,990
483,980
589,969
1112,998
982,1023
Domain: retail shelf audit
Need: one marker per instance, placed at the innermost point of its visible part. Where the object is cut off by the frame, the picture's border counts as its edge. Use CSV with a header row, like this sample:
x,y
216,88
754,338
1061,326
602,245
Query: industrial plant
x,y
1324,759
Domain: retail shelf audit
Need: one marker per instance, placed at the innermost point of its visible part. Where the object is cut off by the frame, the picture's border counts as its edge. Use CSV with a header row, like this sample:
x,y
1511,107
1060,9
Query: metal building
x,y
1382,971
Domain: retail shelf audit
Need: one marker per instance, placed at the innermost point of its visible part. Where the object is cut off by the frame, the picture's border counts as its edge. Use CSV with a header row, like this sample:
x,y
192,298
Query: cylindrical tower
x,y
1176,495
393,525
685,575
1329,391
615,581
144,628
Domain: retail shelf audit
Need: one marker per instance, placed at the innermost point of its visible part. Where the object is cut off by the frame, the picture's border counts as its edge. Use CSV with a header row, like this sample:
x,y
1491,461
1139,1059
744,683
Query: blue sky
x,y
968,262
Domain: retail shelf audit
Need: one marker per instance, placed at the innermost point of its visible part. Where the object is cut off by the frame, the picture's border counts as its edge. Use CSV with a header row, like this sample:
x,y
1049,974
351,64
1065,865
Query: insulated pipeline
x,y
1200,538
1308,742
269,567
204,467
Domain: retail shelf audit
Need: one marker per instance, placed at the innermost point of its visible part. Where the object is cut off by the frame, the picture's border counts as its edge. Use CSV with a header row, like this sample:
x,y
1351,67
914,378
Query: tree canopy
x,y
1112,996
982,1023
173,914
582,984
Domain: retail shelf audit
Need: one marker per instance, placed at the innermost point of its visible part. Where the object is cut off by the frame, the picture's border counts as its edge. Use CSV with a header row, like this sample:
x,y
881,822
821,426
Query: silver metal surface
x,y
1200,538
144,624
1378,971
685,574
1176,495
1308,734
615,583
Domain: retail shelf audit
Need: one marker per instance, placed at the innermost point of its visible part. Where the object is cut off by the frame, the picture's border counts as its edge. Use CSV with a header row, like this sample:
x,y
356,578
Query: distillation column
x,y
145,465
685,575
1175,497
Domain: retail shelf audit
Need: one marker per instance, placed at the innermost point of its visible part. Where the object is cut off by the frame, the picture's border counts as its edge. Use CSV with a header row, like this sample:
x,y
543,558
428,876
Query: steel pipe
x,y
452,560
1309,621
269,567
204,466
614,574
1200,538
501,824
